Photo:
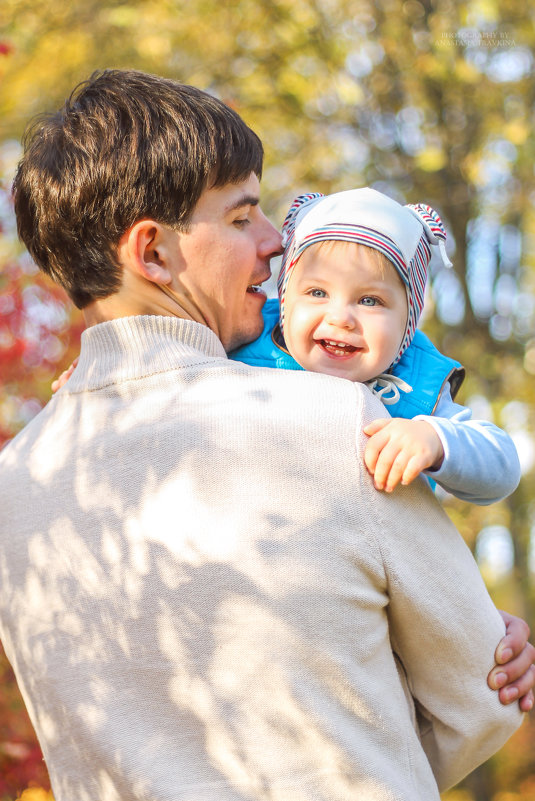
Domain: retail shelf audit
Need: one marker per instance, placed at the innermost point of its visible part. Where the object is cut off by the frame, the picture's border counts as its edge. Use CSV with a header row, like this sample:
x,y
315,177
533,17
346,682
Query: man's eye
x,y
317,293
242,223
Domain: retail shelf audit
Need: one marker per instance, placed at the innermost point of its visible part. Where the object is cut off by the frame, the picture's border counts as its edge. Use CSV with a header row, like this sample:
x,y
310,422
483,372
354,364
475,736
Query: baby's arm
x,y
477,461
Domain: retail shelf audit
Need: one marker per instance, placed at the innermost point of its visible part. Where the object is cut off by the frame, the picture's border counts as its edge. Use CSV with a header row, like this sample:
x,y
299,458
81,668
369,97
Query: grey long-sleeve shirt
x,y
480,460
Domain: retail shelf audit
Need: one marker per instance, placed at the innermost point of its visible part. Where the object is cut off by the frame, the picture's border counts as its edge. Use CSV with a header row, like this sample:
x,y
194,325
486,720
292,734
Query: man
x,y
203,596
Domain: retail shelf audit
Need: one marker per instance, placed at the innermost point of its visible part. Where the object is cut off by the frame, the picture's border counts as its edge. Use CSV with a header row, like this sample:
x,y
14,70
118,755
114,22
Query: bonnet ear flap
x,y
433,227
288,226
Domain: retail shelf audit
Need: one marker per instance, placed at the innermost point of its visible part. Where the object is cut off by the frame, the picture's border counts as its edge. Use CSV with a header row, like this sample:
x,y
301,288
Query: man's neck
x,y
137,296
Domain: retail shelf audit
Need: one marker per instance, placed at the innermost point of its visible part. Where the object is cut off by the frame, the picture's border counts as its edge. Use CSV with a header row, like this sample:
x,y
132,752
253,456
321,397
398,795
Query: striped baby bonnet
x,y
404,234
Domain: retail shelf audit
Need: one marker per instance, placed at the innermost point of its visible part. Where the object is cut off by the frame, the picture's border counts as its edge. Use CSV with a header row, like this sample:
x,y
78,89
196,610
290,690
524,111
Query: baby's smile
x,y
337,349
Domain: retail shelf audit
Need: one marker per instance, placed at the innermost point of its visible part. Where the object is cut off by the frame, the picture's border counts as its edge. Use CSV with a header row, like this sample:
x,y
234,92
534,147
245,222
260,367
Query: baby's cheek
x,y
298,331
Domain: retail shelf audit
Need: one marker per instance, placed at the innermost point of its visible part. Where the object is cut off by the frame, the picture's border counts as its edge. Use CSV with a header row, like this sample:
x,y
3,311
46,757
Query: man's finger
x,y
512,670
520,688
527,702
516,637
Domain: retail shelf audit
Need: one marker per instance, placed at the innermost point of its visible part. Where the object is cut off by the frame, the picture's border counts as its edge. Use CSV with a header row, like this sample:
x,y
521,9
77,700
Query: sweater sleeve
x,y
480,460
444,628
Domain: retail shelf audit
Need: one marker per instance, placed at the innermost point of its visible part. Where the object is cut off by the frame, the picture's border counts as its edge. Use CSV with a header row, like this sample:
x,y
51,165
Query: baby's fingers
x,y
397,468
395,474
404,470
374,447
62,380
389,467
376,425
414,467
64,377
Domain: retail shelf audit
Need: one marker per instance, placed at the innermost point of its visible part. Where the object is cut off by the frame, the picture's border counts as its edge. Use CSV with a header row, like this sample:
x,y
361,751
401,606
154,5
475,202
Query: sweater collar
x,y
131,347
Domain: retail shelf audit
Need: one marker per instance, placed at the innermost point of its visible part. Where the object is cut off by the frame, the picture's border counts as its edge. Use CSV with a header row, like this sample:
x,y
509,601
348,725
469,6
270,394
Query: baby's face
x,y
344,314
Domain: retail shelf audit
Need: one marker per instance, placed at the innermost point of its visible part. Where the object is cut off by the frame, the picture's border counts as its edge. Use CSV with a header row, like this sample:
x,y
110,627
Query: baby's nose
x,y
341,316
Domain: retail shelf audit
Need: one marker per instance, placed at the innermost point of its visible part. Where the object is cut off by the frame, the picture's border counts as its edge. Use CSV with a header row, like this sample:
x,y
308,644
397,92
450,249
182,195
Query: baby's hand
x,y
64,377
398,450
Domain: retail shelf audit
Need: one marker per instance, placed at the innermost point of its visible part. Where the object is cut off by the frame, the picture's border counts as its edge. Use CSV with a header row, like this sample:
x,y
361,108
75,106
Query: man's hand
x,y
398,450
64,377
514,672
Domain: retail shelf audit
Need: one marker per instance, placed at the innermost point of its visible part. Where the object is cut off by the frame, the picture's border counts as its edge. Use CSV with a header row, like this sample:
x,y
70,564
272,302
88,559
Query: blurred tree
x,y
427,100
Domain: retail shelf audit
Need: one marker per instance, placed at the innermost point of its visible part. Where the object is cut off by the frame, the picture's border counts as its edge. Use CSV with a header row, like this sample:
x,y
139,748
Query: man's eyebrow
x,y
244,200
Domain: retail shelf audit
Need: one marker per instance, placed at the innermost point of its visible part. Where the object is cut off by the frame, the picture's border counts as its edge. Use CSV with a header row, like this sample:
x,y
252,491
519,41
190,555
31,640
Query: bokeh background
x,y
427,100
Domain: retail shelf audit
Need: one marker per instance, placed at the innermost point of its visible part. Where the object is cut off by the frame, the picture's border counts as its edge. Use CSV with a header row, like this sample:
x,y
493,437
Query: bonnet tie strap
x,y
385,384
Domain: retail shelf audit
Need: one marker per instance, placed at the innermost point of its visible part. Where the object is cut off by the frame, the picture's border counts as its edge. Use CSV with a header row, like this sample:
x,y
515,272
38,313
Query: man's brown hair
x,y
125,146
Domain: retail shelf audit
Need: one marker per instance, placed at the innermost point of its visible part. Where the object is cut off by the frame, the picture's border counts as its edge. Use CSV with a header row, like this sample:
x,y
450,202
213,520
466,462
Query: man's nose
x,y
270,242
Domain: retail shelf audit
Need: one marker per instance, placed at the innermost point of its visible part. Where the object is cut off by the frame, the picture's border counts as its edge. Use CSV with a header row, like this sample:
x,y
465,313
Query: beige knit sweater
x,y
202,593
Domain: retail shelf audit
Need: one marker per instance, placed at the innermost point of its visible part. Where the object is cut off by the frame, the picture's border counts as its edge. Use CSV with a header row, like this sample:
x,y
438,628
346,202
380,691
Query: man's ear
x,y
147,248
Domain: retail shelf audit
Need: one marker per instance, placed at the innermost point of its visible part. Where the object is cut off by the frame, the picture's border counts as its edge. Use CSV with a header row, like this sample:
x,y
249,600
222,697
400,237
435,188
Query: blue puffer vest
x,y
422,367
264,352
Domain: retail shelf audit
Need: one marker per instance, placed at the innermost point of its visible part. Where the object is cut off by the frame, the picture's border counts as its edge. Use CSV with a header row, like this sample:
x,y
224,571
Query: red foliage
x,y
39,337
21,760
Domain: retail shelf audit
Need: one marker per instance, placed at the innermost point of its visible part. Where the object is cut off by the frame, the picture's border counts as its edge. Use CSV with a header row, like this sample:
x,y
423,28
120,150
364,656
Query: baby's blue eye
x,y
317,293
369,301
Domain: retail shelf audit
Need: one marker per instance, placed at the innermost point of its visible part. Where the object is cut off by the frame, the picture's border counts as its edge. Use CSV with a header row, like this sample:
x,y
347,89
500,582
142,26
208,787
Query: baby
x,y
351,292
